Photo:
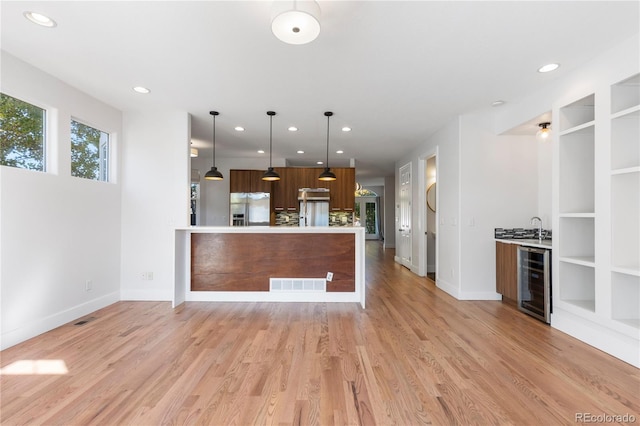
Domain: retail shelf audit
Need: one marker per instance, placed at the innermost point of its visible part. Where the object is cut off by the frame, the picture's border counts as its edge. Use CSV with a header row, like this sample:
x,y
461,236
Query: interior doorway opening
x,y
367,215
431,217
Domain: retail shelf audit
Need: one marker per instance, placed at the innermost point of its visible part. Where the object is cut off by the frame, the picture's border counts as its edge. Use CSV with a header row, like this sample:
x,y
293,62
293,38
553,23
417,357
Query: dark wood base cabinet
x,y
507,271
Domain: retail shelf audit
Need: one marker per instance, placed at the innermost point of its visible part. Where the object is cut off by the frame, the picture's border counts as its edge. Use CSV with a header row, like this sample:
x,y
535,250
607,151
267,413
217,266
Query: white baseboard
x,y
599,336
448,288
152,295
42,325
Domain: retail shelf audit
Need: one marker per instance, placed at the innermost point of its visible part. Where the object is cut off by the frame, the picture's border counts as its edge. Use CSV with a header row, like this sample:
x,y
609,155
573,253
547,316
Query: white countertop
x,y
532,242
273,229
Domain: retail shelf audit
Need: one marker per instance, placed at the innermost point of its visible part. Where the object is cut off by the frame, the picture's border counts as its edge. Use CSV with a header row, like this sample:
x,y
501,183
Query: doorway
x,y
431,221
404,242
367,215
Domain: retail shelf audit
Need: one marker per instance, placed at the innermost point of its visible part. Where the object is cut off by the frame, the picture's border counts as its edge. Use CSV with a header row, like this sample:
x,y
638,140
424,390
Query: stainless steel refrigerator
x,y
314,206
249,209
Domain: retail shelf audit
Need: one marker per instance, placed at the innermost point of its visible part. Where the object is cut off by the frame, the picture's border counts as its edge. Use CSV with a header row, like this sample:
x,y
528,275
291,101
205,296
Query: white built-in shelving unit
x,y
625,202
596,273
577,203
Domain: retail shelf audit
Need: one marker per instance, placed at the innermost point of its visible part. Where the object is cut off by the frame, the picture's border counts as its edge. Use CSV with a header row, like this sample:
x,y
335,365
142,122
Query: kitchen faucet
x,y
533,221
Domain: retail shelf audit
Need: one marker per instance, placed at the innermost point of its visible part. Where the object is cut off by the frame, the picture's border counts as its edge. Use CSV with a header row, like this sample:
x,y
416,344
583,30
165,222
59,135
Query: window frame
x,y
46,133
104,172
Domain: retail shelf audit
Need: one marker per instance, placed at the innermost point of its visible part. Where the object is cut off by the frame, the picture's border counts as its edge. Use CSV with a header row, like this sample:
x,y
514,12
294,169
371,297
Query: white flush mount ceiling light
x,y
239,129
142,90
296,21
346,129
40,19
548,68
293,129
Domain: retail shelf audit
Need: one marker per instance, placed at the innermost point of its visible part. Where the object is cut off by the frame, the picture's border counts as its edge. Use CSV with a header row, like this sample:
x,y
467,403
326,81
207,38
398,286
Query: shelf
x,y
627,113
625,219
625,171
588,305
581,127
577,114
577,238
578,215
587,261
577,171
578,285
625,140
625,298
625,94
633,270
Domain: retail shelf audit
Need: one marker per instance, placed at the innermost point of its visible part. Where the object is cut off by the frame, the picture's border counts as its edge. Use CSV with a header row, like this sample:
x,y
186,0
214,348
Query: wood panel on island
x,y
245,262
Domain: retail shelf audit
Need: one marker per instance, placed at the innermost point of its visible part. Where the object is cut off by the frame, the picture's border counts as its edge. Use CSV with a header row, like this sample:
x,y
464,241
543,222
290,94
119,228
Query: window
x,y
89,152
22,134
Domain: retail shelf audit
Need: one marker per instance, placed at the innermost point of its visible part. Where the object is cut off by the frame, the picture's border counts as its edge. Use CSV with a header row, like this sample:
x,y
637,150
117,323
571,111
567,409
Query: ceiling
x,y
395,72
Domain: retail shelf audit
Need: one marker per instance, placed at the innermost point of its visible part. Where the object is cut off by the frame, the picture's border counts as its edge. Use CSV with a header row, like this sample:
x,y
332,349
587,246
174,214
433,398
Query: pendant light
x,y
544,133
327,175
214,174
270,175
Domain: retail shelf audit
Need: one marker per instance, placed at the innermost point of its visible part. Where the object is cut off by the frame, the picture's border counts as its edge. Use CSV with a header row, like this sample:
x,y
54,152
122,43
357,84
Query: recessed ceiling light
x,y
292,129
300,152
548,67
497,103
141,89
239,129
319,162
40,19
346,129
261,151
339,151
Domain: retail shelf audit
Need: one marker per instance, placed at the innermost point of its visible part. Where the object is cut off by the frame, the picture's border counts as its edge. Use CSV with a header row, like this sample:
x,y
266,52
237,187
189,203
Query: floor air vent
x,y
84,321
306,285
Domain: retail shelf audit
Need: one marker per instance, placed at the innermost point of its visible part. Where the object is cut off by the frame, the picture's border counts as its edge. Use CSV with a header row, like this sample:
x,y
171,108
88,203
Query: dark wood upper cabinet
x,y
284,193
343,189
248,181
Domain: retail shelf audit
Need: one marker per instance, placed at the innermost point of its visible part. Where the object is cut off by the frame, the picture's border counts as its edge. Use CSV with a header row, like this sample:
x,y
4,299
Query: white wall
x,y
56,231
155,199
446,142
498,188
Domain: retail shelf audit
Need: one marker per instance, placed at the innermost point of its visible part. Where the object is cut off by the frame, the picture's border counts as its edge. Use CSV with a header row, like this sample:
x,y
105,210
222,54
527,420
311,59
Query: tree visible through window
x,y
89,152
22,131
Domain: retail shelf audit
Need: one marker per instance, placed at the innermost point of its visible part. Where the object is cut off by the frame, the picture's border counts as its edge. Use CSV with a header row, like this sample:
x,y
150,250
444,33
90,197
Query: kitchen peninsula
x,y
269,264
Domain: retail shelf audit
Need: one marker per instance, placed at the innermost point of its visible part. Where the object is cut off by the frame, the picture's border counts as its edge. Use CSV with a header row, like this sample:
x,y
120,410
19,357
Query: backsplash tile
x,y
293,219
341,219
520,233
287,219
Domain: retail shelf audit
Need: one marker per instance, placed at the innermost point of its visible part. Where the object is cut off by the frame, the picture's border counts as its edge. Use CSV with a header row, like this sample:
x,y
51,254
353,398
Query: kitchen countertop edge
x,y
546,244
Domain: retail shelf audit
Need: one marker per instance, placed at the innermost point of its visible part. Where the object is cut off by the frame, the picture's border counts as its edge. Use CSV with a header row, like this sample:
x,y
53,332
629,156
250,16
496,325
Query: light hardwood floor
x,y
414,356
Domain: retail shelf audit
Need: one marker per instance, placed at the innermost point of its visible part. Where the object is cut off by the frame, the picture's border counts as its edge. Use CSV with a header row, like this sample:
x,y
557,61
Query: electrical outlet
x,y
329,276
147,276
88,285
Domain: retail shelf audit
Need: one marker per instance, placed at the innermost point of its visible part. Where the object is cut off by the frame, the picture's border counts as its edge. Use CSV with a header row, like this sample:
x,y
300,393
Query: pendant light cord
x,y
214,140
328,117
270,137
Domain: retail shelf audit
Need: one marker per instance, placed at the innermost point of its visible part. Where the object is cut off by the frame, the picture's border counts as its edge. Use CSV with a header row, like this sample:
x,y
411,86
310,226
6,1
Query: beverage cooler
x,y
534,282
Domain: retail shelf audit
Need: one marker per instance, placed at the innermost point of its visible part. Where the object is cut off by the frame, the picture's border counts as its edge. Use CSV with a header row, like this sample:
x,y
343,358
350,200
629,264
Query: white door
x,y
404,246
